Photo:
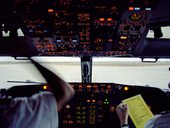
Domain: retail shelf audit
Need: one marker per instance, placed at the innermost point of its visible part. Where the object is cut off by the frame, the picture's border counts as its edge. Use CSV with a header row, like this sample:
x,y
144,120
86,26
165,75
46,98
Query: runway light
x,y
126,88
45,87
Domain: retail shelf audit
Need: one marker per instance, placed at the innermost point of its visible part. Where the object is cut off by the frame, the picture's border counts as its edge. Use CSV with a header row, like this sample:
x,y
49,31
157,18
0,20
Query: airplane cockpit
x,y
108,50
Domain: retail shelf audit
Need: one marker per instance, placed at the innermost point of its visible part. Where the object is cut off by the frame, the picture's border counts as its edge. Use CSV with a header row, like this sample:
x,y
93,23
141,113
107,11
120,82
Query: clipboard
x,y
138,110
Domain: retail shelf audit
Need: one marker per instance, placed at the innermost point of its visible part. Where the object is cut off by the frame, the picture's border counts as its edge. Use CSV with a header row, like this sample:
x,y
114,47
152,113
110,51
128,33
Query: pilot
x,y
40,109
159,121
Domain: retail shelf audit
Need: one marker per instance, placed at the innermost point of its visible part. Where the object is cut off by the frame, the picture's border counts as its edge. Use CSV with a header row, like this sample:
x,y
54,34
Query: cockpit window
x,y
128,71
7,33
19,72
132,71
164,30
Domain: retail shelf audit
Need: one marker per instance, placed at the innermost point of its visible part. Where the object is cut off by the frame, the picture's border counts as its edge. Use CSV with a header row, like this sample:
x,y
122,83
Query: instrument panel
x,y
83,27
94,105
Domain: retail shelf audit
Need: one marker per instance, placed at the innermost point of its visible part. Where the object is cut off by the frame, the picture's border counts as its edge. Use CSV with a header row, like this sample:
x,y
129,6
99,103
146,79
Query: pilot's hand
x,y
122,112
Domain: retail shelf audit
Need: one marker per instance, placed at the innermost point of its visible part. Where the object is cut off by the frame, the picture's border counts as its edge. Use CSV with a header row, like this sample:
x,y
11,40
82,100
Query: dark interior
x,y
88,28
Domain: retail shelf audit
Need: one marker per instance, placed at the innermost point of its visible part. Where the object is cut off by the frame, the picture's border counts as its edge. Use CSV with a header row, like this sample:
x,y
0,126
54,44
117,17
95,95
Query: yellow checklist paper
x,y
138,110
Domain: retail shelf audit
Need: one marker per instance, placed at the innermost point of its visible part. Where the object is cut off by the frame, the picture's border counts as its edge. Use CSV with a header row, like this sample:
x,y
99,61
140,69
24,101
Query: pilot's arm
x,y
61,89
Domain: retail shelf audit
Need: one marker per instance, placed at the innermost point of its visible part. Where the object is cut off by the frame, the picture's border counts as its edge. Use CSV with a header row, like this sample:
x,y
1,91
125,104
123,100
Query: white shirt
x,y
37,111
159,121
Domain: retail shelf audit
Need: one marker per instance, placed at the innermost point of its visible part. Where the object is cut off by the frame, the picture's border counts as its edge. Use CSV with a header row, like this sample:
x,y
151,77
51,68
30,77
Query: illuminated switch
x,y
92,107
88,101
80,86
70,122
68,106
126,88
87,38
131,8
74,40
45,87
78,107
110,40
123,37
81,33
68,116
109,19
100,116
101,19
64,121
83,108
93,101
88,34
148,9
112,109
78,121
88,86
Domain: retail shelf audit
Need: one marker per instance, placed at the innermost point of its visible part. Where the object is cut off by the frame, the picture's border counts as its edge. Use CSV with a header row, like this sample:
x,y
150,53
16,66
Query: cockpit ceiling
x,y
84,28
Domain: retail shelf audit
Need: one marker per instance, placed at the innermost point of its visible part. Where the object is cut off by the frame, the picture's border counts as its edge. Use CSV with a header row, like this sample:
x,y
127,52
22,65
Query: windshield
x,y
128,71
132,71
164,30
16,72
